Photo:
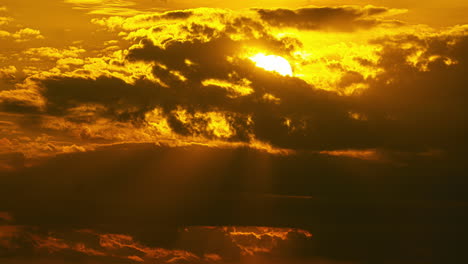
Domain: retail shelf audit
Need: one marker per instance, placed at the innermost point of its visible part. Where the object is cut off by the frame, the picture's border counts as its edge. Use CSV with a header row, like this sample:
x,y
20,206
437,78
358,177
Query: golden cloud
x,y
186,75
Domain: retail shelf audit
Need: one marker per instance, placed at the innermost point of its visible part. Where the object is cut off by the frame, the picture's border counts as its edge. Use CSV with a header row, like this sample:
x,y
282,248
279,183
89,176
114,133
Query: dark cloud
x,y
426,100
195,244
155,191
405,108
122,100
399,102
11,161
326,18
177,15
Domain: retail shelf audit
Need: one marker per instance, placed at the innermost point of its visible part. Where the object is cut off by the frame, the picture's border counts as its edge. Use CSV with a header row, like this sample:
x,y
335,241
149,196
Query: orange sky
x,y
69,38
269,131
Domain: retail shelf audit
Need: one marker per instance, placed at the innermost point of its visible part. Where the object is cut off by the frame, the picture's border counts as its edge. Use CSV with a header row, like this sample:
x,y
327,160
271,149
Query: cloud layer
x,y
158,138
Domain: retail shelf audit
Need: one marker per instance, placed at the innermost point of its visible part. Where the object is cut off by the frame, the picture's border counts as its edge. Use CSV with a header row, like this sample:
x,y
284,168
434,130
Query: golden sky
x,y
325,45
271,110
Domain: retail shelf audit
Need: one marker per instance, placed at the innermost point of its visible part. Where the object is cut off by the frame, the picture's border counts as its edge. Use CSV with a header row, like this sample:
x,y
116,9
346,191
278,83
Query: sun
x,y
273,63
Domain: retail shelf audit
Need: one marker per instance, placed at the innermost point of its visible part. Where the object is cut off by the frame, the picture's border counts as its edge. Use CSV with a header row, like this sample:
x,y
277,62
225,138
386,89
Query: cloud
x,y
235,189
424,93
27,34
10,160
204,88
22,35
345,19
5,216
143,20
107,7
54,53
8,73
87,245
4,34
5,20
21,100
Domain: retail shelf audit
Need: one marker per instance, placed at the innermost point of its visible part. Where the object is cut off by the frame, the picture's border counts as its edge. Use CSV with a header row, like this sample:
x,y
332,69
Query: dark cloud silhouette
x,y
118,97
11,161
177,15
327,18
405,108
426,100
150,196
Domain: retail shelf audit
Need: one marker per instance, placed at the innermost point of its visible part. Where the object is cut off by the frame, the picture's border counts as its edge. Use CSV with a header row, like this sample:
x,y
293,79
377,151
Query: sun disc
x,y
273,63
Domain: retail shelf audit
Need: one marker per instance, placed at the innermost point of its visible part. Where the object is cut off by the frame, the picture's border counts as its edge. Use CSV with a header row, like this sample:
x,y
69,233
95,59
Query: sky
x,y
233,132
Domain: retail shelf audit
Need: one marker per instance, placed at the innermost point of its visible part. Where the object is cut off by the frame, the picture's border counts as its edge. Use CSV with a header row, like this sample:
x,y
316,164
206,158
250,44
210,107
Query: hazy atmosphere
x,y
233,132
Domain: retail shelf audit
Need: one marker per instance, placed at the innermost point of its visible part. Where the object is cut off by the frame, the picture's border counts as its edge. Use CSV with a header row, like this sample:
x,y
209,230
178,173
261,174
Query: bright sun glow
x,y
273,63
